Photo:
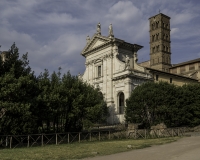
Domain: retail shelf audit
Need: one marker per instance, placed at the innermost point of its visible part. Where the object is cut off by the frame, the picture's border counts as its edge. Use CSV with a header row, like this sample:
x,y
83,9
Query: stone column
x,y
105,76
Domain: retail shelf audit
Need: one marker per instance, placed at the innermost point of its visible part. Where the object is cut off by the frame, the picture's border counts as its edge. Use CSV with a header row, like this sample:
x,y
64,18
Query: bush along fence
x,y
15,141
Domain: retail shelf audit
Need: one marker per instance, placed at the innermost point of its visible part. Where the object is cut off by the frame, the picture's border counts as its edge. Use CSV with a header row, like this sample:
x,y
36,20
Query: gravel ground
x,y
187,148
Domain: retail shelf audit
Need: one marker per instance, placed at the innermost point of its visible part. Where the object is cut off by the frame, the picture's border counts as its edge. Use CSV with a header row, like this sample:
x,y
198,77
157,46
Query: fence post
x,y
68,137
135,133
11,142
56,139
178,131
6,141
79,137
42,139
99,136
172,132
109,135
145,133
90,136
28,141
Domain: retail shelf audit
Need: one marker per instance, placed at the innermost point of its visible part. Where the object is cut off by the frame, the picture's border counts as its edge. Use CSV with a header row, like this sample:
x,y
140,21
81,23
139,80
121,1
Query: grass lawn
x,y
79,150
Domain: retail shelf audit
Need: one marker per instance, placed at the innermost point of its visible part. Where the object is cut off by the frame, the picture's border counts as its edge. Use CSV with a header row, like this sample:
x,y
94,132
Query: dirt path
x,y
187,148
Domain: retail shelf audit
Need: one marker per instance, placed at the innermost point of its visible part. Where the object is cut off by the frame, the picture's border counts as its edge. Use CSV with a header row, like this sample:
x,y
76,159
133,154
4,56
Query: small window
x,y
191,66
174,70
170,80
182,68
99,71
156,77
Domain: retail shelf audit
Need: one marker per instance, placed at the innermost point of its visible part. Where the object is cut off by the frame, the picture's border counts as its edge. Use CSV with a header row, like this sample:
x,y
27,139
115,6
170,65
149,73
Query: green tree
x,y
190,105
85,105
18,90
151,103
68,103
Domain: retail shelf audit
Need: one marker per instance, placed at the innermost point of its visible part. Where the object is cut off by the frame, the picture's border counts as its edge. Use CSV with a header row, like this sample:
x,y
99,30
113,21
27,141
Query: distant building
x,y
160,55
3,55
111,65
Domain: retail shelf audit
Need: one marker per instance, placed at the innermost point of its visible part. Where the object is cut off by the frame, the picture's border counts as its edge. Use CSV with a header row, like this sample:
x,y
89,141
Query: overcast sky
x,y
54,32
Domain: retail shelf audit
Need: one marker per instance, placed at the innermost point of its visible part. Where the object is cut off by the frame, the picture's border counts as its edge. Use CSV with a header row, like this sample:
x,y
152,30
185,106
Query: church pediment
x,y
98,43
95,42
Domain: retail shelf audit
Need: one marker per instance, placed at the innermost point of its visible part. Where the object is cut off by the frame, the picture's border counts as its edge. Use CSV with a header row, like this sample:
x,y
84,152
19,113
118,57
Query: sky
x,y
54,32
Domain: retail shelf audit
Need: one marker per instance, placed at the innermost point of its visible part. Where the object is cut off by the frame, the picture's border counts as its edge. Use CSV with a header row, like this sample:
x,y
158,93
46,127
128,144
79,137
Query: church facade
x,y
111,65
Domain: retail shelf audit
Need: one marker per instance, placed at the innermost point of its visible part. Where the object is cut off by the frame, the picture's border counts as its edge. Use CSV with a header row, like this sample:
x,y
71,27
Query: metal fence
x,y
14,141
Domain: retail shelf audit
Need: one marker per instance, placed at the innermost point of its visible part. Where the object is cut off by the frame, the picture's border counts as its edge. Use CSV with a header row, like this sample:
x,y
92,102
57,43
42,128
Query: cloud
x,y
124,11
61,52
24,41
54,32
182,18
58,19
174,31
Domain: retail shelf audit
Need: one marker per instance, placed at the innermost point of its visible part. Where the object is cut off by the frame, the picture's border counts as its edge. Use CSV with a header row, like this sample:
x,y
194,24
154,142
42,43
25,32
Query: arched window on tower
x,y
163,36
163,24
156,24
153,49
121,102
163,48
157,48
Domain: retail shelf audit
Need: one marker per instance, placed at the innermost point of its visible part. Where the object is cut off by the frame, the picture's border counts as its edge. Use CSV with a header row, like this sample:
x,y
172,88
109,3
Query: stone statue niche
x,y
99,28
111,31
127,62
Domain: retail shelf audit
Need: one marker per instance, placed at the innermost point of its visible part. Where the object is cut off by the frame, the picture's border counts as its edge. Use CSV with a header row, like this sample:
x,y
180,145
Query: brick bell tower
x,y
160,48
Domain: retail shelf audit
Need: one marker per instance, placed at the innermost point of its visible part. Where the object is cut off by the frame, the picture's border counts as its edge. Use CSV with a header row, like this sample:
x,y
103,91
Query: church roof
x,y
185,63
98,42
173,74
160,14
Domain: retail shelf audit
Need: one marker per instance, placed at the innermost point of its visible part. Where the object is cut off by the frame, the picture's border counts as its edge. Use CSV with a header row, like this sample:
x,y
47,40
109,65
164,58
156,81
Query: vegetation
x,y
80,150
47,103
153,103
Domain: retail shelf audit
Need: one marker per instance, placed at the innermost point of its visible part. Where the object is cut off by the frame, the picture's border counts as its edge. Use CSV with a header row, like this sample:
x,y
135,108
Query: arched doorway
x,y
121,102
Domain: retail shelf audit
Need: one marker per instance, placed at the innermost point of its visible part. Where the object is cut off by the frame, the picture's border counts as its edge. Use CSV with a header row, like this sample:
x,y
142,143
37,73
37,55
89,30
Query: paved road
x,y
187,148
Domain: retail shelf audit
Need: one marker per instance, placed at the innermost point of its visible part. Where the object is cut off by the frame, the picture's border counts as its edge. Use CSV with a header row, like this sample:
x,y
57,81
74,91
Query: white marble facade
x,y
111,65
